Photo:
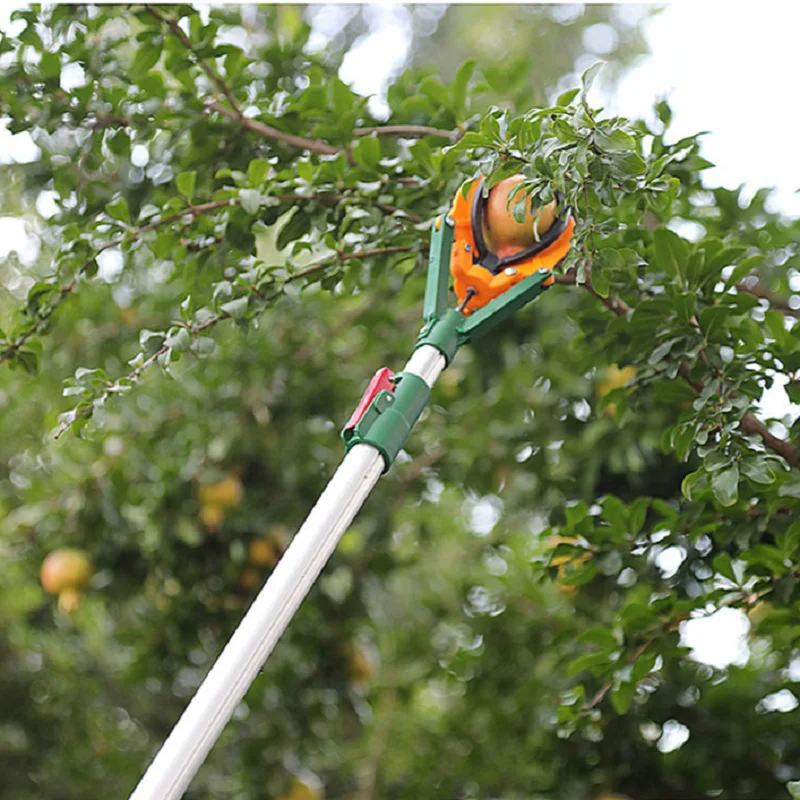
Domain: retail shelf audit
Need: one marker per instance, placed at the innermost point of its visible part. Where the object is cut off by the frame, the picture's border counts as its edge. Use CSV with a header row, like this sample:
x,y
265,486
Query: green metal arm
x,y
446,328
388,411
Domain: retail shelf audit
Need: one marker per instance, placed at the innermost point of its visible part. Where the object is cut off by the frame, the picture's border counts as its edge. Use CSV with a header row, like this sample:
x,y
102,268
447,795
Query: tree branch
x,y
338,198
410,131
204,65
749,423
67,288
753,287
313,145
134,375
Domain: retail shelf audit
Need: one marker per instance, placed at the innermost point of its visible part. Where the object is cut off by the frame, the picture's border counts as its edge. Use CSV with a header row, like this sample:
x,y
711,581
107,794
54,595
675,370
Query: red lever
x,y
381,380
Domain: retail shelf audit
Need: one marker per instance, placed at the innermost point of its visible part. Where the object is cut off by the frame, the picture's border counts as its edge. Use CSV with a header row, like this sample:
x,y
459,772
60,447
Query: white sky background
x,y
726,67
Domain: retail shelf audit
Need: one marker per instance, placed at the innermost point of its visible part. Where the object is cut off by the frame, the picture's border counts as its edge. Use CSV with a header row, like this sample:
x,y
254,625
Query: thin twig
x,y
135,374
67,288
410,131
202,63
749,424
753,287
604,689
313,145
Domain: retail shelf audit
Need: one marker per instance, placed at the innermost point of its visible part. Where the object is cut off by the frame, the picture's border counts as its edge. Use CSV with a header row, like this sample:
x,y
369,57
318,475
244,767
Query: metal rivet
x,y
544,271
510,271
467,247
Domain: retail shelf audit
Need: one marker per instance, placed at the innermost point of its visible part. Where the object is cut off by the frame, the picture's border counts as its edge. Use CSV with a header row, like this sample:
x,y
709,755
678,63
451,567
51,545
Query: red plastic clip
x,y
381,380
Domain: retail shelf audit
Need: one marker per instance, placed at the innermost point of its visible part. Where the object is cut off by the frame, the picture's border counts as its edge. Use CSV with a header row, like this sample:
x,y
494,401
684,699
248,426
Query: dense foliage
x,y
238,244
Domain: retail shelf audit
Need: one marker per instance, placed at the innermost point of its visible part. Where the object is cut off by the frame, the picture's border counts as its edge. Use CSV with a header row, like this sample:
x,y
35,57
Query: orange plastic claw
x,y
468,274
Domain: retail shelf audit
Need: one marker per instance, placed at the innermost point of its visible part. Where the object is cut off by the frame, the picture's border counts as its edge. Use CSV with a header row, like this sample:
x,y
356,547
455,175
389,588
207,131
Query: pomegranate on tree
x,y
66,572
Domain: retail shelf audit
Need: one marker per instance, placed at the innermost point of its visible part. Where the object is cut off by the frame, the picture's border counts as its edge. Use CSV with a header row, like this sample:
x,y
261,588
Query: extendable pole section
x,y
184,751
374,435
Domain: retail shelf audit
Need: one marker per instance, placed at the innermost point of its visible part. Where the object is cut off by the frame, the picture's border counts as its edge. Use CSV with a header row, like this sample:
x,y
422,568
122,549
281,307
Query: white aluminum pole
x,y
200,725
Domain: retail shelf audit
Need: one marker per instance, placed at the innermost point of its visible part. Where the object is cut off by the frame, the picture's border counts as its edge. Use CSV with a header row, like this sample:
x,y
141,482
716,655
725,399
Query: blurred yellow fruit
x,y
211,517
217,498
614,378
249,579
360,666
66,572
262,553
228,493
565,562
302,791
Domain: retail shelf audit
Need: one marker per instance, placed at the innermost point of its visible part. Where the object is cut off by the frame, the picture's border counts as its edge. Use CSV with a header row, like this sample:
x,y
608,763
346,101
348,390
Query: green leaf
x,y
180,340
725,485
621,697
257,171
146,57
250,200
643,665
367,153
742,269
118,209
671,252
298,225
50,65
235,308
637,513
793,787
588,78
186,183
724,566
600,636
459,88
615,512
601,281
567,97
758,470
615,142
590,662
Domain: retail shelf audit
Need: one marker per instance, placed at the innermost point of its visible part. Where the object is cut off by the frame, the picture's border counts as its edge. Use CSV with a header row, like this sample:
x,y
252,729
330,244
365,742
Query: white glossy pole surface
x,y
200,725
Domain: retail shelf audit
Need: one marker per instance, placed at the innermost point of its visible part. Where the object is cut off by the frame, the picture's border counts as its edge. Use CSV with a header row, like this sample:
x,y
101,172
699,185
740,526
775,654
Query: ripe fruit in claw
x,y
503,235
66,572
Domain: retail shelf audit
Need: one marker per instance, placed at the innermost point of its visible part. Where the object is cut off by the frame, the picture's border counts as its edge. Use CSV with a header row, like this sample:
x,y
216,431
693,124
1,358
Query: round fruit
x,y
249,579
228,493
66,569
262,553
211,517
303,790
360,667
614,378
505,236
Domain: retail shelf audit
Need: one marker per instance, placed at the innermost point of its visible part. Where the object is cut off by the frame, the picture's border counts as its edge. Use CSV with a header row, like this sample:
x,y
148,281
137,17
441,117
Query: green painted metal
x,y
388,420
438,270
483,320
390,417
444,333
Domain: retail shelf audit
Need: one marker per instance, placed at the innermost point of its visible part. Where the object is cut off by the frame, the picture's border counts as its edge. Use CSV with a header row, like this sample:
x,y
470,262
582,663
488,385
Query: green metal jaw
x,y
389,413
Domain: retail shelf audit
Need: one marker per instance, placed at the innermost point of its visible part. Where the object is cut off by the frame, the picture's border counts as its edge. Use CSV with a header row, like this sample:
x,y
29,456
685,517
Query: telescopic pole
x,y
374,436
201,724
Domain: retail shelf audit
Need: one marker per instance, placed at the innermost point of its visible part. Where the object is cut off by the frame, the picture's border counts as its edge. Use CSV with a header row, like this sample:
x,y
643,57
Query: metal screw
x,y
467,247
510,270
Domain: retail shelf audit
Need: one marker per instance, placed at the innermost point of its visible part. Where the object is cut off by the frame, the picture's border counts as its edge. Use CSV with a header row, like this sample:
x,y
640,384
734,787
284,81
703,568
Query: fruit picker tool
x,y
489,290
